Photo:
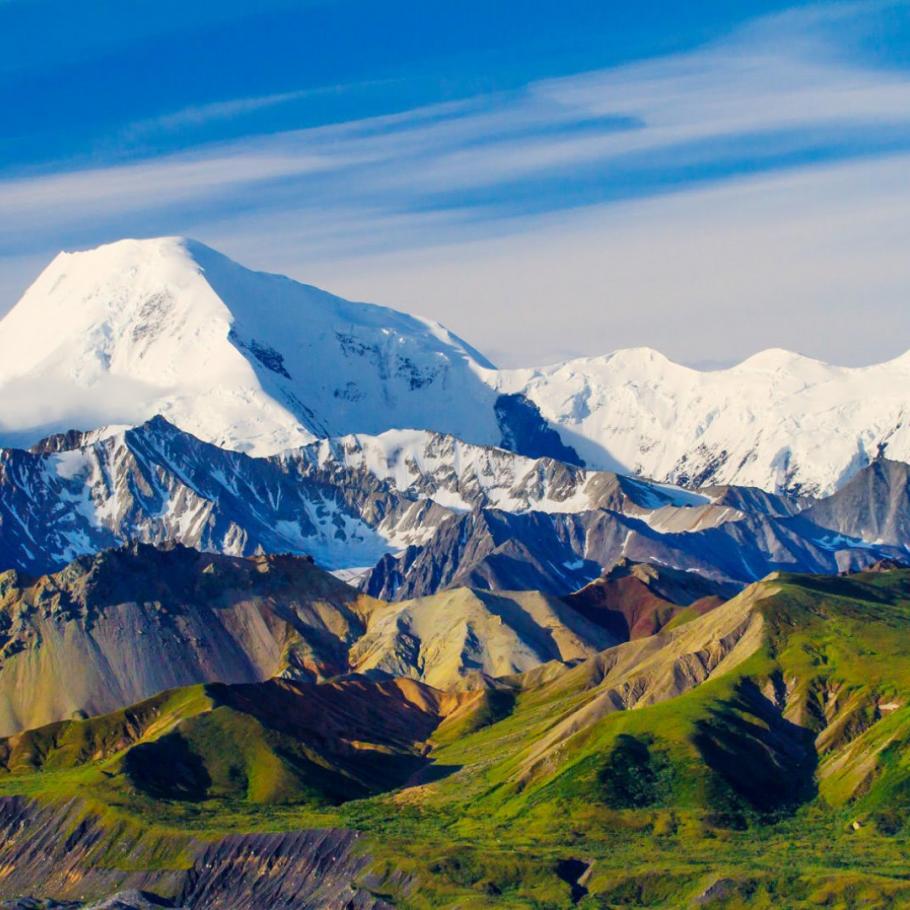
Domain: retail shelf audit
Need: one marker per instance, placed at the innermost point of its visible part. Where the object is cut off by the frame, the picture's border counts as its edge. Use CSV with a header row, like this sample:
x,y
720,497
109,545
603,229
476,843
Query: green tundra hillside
x,y
752,756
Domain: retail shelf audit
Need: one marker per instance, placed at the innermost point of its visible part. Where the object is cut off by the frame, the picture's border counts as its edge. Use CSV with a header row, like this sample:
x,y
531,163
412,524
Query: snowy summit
x,y
260,363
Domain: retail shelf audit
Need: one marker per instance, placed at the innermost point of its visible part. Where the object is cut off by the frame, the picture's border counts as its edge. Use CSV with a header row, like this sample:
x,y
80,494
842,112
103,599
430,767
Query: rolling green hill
x,y
754,756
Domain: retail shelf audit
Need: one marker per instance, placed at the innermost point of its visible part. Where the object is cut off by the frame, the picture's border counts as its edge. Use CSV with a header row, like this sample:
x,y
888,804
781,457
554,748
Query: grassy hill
x,y
755,756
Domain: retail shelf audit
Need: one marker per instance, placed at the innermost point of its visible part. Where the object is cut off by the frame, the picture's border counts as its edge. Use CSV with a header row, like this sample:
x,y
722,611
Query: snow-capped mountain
x,y
778,420
259,363
156,484
427,510
346,502
460,476
246,360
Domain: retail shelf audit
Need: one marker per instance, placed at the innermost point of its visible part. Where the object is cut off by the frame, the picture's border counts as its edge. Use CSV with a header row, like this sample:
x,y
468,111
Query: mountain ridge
x,y
258,362
408,512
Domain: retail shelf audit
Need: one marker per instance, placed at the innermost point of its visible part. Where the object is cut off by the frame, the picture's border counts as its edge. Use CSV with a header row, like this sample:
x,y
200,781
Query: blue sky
x,y
548,179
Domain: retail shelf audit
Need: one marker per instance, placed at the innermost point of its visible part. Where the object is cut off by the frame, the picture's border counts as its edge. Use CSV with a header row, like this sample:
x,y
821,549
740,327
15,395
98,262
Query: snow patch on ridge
x,y
261,364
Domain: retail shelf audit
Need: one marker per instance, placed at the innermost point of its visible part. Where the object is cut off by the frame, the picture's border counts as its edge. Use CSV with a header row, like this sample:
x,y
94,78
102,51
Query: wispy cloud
x,y
219,110
770,94
783,95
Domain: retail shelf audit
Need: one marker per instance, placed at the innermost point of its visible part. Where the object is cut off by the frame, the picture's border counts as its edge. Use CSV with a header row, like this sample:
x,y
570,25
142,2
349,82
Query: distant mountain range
x,y
305,604
260,363
406,514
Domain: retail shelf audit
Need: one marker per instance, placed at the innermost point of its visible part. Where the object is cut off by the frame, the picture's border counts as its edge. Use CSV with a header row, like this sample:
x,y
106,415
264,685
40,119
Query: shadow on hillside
x,y
431,774
763,763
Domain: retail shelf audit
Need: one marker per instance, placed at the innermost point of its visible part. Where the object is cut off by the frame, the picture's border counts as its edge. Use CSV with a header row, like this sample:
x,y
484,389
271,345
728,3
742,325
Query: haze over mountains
x,y
260,363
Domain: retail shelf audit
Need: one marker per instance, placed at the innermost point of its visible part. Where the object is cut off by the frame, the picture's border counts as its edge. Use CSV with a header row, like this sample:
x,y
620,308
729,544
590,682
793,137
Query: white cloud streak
x,y
434,191
732,91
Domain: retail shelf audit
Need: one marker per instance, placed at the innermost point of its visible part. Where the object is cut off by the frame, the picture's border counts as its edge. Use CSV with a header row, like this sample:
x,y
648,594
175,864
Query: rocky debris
x,y
41,863
133,900
34,903
297,870
280,871
718,890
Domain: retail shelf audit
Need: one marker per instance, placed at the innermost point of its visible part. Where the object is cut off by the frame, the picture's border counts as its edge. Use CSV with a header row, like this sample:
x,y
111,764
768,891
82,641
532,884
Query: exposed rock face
x,y
449,637
346,501
493,550
752,499
124,900
41,863
281,871
156,484
634,600
112,629
483,517
873,505
559,553
292,871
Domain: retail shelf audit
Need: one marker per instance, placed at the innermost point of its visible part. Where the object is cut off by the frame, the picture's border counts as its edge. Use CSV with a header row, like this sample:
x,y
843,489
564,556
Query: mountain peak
x,y
247,360
777,359
261,363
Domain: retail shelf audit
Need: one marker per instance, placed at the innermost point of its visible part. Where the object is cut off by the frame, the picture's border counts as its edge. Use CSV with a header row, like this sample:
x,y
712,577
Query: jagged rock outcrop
x,y
346,501
873,505
559,553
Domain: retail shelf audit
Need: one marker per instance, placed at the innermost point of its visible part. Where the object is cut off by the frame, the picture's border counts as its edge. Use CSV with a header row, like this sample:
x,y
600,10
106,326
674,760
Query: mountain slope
x,y
260,363
635,600
268,742
345,501
156,484
778,421
426,510
755,756
111,629
559,553
448,638
242,359
874,504
816,689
